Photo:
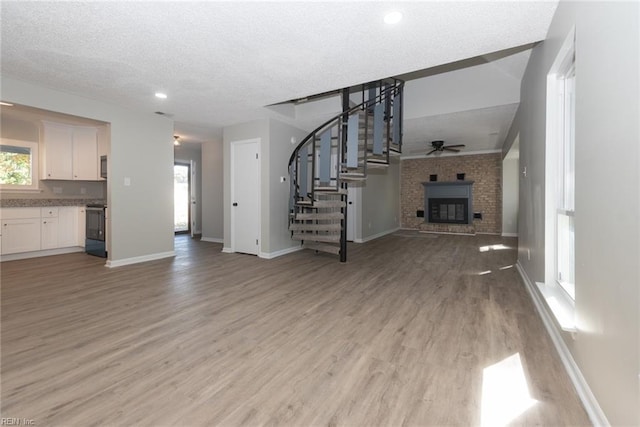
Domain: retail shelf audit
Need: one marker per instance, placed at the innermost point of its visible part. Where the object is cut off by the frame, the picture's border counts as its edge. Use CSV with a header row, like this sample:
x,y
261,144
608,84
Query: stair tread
x,y
314,227
320,216
329,190
322,248
325,204
309,237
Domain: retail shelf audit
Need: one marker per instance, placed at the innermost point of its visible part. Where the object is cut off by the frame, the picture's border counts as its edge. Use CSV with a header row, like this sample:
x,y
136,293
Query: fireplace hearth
x,y
448,202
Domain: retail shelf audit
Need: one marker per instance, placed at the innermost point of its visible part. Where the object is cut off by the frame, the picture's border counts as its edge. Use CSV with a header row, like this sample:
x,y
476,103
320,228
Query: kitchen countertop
x,y
36,203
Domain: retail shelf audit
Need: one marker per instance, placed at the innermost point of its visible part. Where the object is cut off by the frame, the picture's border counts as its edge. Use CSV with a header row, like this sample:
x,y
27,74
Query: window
x,y
18,165
559,287
565,204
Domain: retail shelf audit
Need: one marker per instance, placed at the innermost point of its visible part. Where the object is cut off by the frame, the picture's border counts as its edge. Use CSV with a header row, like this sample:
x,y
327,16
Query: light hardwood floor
x,y
404,334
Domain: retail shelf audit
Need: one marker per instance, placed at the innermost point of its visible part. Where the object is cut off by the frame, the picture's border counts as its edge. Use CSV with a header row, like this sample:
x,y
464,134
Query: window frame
x,y
35,166
559,210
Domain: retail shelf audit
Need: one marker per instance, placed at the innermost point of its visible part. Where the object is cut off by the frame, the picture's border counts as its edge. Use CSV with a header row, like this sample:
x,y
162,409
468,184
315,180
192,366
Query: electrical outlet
x,y
57,190
83,190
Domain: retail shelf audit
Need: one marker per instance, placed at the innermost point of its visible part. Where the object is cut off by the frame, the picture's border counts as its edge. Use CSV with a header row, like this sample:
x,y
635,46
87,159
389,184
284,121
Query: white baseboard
x,y
376,236
139,259
211,239
591,405
270,255
37,254
509,234
227,250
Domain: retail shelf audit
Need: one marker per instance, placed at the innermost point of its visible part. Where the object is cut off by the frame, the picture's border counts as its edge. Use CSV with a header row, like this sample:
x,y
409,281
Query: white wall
x,y
140,215
212,192
277,151
186,153
606,348
380,202
465,89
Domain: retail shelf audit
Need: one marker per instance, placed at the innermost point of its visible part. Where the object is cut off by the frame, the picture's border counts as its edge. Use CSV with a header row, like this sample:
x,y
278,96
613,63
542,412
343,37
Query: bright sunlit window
x,y
565,267
18,165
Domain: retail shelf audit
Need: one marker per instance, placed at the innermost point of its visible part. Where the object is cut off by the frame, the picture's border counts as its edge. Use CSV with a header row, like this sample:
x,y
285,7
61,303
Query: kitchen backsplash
x,y
62,190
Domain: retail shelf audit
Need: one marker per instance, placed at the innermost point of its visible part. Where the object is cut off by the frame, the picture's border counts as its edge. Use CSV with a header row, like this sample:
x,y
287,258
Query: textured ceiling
x,y
222,62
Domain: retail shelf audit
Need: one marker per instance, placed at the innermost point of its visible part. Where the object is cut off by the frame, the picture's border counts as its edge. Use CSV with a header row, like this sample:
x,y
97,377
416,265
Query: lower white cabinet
x,y
67,226
49,232
20,235
35,229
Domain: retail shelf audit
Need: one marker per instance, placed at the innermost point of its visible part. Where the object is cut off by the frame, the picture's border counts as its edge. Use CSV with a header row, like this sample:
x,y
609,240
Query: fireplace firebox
x,y
449,210
448,202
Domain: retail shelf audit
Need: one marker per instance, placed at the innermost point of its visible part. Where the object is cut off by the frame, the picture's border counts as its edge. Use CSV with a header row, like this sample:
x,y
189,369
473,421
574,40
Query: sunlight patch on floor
x,y
498,247
505,393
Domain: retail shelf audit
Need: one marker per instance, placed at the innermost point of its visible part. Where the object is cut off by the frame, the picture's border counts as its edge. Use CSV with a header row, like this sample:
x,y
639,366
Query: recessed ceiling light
x,y
6,104
392,17
161,95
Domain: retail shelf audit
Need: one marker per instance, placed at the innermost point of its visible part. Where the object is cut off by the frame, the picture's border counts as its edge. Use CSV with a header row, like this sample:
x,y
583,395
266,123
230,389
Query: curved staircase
x,y
336,153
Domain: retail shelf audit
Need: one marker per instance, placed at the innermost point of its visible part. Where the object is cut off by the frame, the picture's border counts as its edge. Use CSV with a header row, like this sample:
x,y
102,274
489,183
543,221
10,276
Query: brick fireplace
x,y
485,170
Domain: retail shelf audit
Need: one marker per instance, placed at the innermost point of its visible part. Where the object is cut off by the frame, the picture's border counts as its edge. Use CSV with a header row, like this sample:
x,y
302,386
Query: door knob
x,y
235,204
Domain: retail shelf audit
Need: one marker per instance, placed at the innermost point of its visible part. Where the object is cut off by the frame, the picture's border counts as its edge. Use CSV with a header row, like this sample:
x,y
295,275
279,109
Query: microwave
x,y
103,167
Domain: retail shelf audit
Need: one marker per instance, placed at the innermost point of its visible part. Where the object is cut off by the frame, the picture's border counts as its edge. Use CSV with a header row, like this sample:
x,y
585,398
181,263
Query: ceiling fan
x,y
439,147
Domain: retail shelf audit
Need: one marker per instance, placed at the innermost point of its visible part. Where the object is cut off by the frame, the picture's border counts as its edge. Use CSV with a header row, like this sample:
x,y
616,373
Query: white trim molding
x,y
509,234
271,255
591,405
211,240
37,254
376,236
139,259
227,250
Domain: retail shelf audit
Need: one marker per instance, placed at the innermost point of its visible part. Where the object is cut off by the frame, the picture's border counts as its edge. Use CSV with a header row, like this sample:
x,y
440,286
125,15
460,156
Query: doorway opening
x,y
181,198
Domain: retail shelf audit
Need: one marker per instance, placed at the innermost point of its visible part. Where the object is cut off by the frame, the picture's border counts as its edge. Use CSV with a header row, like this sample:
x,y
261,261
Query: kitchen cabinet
x,y
85,154
20,230
36,229
49,228
70,152
58,152
67,226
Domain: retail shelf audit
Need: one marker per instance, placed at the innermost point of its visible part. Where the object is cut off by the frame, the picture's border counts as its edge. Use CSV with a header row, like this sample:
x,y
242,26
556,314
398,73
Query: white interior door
x,y
245,196
351,213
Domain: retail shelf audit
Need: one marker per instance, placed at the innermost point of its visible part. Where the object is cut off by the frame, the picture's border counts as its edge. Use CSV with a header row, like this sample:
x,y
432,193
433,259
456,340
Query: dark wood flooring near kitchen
x,y
414,330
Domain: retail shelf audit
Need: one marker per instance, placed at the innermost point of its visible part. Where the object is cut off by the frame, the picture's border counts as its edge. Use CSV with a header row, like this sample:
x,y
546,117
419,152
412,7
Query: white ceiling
x,y
221,63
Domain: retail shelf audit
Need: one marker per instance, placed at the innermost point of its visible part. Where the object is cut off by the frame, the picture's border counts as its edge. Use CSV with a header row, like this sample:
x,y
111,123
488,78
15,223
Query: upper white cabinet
x,y
70,152
58,151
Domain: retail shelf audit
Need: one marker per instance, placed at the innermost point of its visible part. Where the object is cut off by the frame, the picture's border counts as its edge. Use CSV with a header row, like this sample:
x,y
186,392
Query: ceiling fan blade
x,y
431,151
451,149
455,146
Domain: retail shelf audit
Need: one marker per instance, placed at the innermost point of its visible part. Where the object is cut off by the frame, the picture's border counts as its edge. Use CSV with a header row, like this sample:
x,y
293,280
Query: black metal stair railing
x,y
341,149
